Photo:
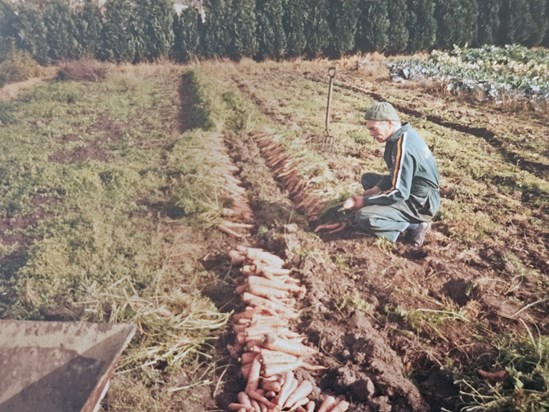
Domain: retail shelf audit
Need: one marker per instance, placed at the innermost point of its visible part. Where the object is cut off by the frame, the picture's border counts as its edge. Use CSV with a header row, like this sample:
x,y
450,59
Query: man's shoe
x,y
417,235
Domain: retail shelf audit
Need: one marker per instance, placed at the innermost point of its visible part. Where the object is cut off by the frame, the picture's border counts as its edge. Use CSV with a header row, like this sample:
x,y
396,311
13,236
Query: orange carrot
x,y
273,270
256,405
259,301
273,275
299,403
310,367
286,388
289,302
253,344
223,228
269,318
236,257
245,370
265,291
291,183
239,407
282,397
280,159
302,391
271,312
240,205
261,399
236,225
258,331
287,346
231,178
278,368
287,171
271,385
327,403
271,321
253,377
245,322
233,189
250,313
274,378
341,406
497,376
261,255
241,289
247,357
244,399
273,283
248,270
271,357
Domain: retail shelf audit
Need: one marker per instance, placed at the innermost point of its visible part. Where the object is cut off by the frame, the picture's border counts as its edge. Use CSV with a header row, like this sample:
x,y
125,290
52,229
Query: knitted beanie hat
x,y
382,111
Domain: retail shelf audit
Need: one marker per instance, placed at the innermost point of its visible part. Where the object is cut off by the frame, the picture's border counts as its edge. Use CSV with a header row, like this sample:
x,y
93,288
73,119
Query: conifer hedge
x,y
147,30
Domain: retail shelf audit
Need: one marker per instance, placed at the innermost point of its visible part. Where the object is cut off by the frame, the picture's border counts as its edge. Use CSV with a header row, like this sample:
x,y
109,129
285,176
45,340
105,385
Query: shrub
x,y
18,66
84,69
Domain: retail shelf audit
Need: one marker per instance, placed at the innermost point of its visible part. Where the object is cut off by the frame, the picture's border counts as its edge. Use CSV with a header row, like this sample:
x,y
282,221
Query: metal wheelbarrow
x,y
58,366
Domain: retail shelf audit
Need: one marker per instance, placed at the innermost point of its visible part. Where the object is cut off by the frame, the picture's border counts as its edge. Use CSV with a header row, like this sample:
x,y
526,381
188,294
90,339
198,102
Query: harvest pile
x,y
288,174
237,215
269,351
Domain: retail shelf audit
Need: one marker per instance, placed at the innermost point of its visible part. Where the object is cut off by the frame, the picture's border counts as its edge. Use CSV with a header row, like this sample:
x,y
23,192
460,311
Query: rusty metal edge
x,y
100,389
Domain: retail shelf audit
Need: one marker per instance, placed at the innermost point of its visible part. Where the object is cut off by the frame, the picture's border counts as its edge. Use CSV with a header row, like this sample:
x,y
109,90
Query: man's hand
x,y
349,204
372,191
355,202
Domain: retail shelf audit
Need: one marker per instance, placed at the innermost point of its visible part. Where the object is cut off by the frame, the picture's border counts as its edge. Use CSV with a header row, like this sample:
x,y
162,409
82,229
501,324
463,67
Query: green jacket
x,y
413,175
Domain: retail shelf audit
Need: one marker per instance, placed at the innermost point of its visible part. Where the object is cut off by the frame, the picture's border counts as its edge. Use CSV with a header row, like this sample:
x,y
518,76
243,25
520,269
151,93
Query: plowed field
x,y
397,328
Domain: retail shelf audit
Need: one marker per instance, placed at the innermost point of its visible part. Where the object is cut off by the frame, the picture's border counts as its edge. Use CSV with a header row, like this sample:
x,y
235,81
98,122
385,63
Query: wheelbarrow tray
x,y
57,366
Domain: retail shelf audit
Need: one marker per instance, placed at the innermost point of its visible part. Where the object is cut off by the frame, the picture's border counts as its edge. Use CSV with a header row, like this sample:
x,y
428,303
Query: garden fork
x,y
328,143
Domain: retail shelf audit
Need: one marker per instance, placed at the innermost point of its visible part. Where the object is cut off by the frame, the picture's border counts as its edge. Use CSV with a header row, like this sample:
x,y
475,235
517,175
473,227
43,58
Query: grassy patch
x,y
83,165
524,386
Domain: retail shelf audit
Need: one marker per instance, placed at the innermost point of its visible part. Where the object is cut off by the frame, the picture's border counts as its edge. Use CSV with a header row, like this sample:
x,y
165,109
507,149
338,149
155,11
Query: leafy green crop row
x,y
496,71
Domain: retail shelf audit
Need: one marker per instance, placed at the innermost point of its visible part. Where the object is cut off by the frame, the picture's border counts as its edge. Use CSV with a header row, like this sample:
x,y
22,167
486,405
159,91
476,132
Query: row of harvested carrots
x,y
288,174
270,353
236,217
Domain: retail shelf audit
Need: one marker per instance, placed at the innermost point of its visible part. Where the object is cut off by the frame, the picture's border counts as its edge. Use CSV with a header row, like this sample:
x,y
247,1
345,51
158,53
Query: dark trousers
x,y
386,221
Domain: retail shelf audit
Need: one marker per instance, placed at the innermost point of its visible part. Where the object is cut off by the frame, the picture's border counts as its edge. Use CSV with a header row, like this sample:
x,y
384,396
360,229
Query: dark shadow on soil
x,y
223,295
186,102
460,291
438,387
9,266
165,209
